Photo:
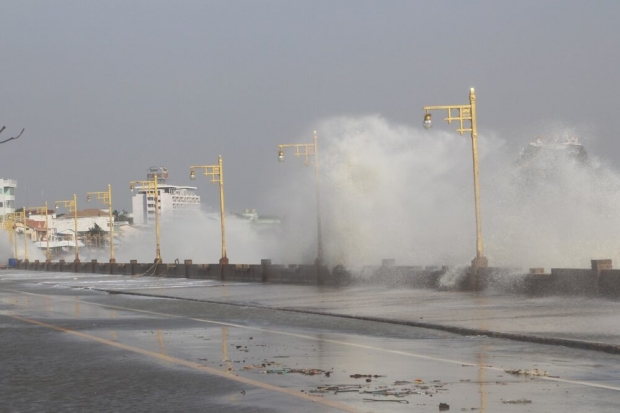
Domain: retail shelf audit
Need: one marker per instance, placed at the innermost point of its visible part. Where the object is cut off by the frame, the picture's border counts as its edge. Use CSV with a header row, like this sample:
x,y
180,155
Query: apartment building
x,y
7,196
173,200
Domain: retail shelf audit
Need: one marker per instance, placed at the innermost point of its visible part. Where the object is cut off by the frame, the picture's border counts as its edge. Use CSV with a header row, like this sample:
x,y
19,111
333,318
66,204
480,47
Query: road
x,y
79,342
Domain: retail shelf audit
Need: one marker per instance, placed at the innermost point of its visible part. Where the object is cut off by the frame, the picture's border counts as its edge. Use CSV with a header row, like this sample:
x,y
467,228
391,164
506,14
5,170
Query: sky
x,y
107,89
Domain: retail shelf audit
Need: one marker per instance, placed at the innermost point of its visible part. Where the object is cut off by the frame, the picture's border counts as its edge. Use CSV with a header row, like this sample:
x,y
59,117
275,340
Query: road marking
x,y
196,366
325,340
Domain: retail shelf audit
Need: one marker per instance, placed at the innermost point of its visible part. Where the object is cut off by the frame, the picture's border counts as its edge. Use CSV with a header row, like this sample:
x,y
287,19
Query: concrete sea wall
x,y
599,280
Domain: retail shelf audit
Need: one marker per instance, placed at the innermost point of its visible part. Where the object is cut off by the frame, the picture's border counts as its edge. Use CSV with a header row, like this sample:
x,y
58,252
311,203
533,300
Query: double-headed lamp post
x,y
44,210
106,199
150,188
216,172
464,113
71,204
307,150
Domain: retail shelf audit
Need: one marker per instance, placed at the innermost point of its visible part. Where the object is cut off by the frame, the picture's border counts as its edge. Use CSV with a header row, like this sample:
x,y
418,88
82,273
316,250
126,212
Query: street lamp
x,y
11,221
44,210
9,225
21,217
464,113
106,199
216,172
150,188
307,150
71,204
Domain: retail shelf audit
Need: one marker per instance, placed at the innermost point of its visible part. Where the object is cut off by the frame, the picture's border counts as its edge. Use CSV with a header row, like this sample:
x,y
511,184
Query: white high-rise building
x,y
7,196
174,200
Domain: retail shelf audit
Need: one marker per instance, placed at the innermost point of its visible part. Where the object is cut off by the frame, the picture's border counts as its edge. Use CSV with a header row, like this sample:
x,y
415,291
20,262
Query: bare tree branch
x,y
14,137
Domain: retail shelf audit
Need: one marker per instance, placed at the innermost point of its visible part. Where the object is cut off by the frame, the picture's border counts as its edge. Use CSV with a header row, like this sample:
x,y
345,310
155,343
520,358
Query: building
x,y
65,223
7,196
86,219
174,200
260,221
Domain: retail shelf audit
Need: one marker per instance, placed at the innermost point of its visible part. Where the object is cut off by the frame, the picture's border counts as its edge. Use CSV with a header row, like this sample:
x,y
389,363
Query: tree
x,y
95,230
95,234
121,216
11,138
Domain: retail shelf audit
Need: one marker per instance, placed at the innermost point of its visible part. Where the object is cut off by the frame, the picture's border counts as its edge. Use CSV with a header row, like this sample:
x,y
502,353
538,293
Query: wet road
x,y
68,346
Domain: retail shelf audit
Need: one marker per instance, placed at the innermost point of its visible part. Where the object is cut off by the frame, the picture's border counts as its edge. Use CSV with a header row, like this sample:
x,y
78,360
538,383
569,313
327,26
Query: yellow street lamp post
x,y
464,113
71,204
9,227
216,172
12,219
307,150
44,210
9,224
150,188
21,217
106,199
14,232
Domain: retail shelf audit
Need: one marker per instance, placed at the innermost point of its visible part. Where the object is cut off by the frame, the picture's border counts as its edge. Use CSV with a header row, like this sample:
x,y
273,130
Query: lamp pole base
x,y
480,262
475,283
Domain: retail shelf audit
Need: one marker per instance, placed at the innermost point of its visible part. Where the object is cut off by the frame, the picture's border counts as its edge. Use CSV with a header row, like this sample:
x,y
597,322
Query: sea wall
x,y
599,280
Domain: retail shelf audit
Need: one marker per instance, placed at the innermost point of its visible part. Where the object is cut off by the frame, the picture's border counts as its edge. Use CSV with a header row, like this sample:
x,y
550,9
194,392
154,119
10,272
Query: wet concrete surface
x,y
69,347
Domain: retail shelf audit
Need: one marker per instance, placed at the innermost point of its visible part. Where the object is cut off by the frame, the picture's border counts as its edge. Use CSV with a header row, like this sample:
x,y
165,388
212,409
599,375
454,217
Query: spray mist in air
x,y
391,191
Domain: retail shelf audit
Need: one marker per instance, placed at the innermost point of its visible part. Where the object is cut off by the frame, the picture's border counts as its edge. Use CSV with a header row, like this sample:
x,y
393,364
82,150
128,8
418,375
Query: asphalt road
x,y
70,345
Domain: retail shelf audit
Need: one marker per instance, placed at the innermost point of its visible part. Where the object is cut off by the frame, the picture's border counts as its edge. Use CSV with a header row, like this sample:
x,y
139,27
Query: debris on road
x,y
340,388
360,376
387,400
307,372
517,401
530,372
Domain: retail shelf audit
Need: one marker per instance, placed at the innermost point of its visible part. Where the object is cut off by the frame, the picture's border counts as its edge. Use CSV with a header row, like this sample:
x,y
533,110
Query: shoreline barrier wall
x,y
600,280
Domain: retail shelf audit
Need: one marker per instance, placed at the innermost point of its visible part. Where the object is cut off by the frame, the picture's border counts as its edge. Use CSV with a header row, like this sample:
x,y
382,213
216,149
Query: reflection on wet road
x,y
72,348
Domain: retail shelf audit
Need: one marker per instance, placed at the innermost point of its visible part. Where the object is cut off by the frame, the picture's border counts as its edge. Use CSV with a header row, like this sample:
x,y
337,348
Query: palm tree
x,y
94,235
121,216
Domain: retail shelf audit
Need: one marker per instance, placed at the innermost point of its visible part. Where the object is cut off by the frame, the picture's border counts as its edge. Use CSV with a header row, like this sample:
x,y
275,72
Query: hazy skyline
x,y
106,89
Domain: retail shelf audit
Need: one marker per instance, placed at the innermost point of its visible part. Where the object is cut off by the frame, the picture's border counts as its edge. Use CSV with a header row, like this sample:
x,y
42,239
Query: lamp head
x,y
56,205
192,175
88,198
131,187
427,121
280,155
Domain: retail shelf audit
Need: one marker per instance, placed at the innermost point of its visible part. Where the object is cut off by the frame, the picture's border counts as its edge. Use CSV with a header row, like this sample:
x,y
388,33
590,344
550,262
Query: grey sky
x,y
106,89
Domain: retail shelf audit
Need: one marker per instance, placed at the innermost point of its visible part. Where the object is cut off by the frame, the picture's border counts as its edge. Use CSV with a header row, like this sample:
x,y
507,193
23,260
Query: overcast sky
x,y
106,89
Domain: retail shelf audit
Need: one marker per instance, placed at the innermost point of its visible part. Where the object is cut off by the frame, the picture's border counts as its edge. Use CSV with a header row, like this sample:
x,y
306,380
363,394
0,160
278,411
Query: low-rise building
x,y
86,220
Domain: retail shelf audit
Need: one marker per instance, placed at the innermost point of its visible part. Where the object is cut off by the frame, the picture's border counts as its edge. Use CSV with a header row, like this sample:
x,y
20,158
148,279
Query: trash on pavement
x,y
530,372
517,401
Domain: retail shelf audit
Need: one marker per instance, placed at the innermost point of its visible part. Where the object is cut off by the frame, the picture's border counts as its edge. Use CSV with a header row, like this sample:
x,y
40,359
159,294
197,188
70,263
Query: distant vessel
x,y
542,148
